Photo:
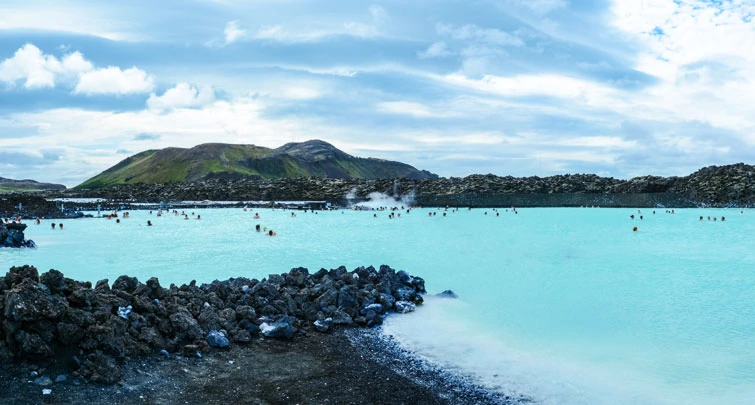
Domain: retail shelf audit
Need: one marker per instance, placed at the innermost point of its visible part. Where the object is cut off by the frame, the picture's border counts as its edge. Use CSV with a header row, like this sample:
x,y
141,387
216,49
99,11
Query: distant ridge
x,y
313,158
11,186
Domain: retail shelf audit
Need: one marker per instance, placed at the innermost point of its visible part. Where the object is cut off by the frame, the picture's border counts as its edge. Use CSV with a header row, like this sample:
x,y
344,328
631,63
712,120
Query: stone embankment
x,y
50,317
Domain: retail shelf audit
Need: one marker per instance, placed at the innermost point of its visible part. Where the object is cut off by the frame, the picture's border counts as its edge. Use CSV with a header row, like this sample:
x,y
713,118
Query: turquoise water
x,y
563,305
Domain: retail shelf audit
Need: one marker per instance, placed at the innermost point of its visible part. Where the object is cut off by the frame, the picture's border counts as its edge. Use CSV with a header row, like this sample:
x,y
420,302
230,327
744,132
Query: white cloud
x,y
361,29
68,18
233,31
480,46
435,50
410,108
696,50
280,34
182,95
74,63
29,64
379,15
113,80
549,85
38,70
577,156
610,142
471,32
484,138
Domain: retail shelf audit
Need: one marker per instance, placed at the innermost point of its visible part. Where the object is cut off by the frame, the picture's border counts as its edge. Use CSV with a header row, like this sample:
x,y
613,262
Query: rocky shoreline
x,y
95,329
34,205
345,366
713,186
294,337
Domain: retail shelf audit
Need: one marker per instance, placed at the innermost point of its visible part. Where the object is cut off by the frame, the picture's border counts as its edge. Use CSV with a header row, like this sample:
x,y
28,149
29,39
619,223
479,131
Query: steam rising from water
x,y
376,200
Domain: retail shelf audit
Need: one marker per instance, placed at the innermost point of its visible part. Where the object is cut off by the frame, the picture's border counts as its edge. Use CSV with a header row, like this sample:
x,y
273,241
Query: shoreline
x,y
345,366
291,338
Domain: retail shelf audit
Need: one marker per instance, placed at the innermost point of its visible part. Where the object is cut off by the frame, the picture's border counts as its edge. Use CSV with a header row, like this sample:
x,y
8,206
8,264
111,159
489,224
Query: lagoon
x,y
565,305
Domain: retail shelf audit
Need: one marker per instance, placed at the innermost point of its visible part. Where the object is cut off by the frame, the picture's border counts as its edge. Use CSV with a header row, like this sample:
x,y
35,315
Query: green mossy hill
x,y
216,160
21,186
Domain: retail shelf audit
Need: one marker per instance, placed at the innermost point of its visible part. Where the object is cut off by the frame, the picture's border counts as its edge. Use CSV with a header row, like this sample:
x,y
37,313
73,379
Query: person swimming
x,y
149,223
257,227
53,225
257,216
271,233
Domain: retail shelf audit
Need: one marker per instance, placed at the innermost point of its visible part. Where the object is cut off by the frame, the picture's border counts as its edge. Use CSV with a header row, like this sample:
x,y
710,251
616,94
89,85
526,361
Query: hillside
x,y
14,186
225,161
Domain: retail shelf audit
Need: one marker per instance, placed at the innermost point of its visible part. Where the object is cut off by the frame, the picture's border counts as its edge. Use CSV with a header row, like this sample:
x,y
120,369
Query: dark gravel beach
x,y
347,366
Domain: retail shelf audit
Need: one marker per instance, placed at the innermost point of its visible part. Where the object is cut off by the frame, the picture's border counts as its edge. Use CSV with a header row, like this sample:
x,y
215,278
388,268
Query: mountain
x,y
313,158
10,186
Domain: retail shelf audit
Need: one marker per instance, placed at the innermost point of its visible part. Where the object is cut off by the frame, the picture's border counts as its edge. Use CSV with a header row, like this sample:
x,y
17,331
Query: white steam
x,y
376,201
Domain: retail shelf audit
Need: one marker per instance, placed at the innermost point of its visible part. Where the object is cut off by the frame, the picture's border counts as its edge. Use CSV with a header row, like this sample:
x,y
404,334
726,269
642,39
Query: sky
x,y
619,88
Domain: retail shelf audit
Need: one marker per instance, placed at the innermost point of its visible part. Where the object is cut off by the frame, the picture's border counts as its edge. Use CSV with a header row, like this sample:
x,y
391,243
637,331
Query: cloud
x,y
379,15
550,85
480,47
410,108
472,32
74,63
39,70
53,153
694,48
144,136
28,63
113,80
233,32
360,29
22,158
182,95
435,50
64,18
468,139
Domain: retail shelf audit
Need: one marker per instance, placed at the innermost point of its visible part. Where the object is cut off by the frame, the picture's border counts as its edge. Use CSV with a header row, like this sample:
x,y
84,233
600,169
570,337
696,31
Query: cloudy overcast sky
x,y
511,87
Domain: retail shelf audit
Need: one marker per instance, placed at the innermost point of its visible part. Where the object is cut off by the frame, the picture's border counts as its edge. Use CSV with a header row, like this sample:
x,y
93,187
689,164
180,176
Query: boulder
x,y
403,307
281,330
217,339
31,301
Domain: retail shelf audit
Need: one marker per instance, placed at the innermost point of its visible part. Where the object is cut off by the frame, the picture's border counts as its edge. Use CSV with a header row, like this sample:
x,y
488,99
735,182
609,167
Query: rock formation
x,y
12,235
95,329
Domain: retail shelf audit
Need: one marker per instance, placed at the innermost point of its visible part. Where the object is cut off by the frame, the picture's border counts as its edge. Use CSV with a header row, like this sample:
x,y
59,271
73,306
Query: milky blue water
x,y
563,305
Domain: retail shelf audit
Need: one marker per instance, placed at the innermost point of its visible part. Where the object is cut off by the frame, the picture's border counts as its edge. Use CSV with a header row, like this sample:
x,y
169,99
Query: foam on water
x,y
563,305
